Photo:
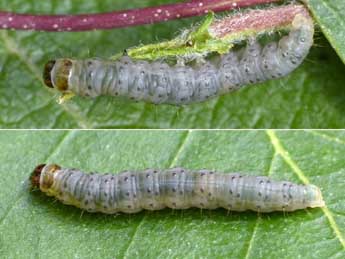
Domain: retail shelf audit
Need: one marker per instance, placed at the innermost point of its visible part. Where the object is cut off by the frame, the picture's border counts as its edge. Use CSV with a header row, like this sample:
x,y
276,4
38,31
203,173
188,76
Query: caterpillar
x,y
159,83
176,188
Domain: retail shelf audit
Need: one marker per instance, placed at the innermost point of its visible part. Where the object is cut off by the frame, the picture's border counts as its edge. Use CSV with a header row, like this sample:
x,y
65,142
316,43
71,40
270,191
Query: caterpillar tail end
x,y
301,20
316,197
36,175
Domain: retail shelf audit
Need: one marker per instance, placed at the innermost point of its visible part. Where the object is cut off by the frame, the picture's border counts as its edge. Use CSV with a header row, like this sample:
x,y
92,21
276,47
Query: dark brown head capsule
x,y
35,176
47,73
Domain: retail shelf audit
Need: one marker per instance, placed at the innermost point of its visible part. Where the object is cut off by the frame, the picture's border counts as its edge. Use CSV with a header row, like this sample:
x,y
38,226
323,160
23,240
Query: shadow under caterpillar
x,y
159,83
176,188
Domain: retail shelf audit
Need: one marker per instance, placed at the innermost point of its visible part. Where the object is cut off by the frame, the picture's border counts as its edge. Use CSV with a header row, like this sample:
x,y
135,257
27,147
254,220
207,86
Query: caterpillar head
x,y
43,176
313,196
56,74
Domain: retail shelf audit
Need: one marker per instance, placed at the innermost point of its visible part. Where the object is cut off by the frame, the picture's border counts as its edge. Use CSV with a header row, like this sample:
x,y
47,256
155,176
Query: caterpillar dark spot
x,y
172,188
158,82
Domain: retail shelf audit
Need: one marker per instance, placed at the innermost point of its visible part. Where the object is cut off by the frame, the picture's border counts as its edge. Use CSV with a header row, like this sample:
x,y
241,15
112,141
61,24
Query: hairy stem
x,y
119,19
219,35
257,20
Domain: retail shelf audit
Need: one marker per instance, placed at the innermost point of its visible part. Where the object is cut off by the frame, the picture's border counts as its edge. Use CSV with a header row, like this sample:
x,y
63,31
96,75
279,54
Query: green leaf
x,y
329,14
33,225
311,97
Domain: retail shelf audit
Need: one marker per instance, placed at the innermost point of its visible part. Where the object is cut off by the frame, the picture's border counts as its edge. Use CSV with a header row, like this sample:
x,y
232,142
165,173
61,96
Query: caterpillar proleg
x,y
176,188
159,83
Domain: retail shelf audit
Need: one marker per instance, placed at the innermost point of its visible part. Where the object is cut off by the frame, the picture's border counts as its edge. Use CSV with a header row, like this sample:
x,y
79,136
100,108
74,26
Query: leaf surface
x,y
330,17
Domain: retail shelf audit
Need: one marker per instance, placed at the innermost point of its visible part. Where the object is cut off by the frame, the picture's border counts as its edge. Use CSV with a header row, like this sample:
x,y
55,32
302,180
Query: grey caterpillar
x,y
176,188
159,83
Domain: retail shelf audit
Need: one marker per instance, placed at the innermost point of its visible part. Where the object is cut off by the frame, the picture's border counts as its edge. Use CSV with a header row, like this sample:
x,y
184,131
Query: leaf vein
x,y
285,155
325,136
172,163
258,219
21,194
9,208
13,48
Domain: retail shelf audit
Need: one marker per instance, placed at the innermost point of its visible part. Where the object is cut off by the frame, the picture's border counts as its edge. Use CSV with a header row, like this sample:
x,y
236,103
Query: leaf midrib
x,y
171,164
301,175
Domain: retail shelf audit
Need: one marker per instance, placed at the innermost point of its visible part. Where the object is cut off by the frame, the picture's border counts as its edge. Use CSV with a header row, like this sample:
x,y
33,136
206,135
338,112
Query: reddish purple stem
x,y
257,20
118,19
